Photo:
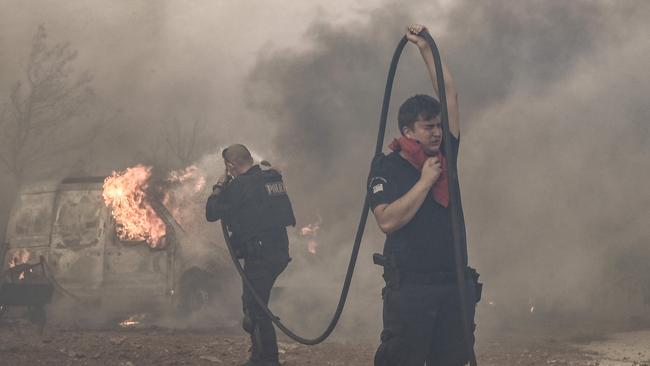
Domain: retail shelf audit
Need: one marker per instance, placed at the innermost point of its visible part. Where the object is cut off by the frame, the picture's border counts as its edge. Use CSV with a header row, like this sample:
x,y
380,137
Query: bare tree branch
x,y
186,142
38,119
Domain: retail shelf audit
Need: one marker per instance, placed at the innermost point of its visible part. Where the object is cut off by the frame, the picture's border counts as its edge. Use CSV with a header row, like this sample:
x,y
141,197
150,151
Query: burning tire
x,y
197,291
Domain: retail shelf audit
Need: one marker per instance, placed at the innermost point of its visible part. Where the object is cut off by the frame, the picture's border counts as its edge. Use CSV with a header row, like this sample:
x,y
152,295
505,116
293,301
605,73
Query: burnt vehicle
x,y
68,224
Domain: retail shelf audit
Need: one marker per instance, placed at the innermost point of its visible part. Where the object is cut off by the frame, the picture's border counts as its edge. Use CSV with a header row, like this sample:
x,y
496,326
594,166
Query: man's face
x,y
231,168
428,133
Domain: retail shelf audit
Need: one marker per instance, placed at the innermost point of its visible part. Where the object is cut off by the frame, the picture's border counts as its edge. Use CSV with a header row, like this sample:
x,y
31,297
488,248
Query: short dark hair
x,y
418,107
237,153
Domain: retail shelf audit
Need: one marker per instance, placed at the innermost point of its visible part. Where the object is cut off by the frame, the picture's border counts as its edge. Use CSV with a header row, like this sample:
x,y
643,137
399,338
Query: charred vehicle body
x,y
70,227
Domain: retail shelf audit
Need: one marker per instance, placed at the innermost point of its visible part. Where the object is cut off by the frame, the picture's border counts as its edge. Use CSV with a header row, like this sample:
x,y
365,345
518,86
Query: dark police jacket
x,y
255,206
425,244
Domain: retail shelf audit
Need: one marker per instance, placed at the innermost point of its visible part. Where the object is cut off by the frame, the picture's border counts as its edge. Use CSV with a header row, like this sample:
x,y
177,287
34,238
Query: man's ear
x,y
406,131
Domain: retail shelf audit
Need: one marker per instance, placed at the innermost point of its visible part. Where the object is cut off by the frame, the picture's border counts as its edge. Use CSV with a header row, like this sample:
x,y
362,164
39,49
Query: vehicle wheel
x,y
196,292
37,316
198,298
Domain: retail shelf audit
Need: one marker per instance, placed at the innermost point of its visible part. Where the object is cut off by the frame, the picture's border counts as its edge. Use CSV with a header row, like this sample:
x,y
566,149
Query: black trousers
x,y
422,324
262,272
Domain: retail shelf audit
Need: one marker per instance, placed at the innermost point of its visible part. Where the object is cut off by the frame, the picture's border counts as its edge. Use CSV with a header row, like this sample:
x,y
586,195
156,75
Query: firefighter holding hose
x,y
253,202
409,197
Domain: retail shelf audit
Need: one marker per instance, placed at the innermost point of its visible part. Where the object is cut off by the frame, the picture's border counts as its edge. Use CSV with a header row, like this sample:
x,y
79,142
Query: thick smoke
x,y
555,138
554,130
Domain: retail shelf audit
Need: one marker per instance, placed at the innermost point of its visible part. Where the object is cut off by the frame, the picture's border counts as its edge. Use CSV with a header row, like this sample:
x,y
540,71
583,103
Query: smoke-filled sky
x,y
554,149
155,59
554,112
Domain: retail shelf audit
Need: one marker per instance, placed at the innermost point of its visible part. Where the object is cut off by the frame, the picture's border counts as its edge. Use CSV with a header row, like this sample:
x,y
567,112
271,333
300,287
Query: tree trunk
x,y
8,196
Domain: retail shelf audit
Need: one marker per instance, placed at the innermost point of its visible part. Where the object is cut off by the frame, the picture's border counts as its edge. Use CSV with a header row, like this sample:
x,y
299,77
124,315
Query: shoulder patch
x,y
377,184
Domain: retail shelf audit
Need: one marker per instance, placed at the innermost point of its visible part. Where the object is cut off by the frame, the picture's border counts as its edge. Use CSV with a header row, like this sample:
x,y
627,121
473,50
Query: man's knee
x,y
256,317
248,323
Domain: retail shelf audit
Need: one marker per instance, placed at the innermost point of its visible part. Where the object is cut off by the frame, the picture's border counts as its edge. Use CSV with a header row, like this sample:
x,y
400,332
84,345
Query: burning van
x,y
94,256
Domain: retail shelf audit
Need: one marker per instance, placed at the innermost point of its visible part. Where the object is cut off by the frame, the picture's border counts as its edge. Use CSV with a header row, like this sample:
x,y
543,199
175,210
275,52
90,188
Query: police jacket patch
x,y
260,203
275,188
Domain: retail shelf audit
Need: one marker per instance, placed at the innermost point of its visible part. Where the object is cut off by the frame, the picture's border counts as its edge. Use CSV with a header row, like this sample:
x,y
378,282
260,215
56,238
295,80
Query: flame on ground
x,y
125,193
133,320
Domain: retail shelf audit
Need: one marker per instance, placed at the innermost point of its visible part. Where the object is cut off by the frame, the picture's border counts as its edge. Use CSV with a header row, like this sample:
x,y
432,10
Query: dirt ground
x,y
20,344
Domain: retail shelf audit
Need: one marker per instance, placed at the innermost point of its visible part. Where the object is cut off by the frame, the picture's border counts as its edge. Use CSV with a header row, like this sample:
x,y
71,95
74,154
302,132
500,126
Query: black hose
x,y
454,202
454,206
358,237
48,273
344,291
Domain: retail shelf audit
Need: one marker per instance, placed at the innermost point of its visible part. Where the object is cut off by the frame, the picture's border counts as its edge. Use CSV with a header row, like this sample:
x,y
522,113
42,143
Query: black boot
x,y
252,362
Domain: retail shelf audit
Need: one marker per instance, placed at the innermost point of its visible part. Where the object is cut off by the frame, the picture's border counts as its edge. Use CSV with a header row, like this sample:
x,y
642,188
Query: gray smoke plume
x,y
555,140
554,119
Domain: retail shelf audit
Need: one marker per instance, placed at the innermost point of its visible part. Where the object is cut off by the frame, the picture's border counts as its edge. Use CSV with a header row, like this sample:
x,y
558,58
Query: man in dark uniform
x,y
254,204
409,197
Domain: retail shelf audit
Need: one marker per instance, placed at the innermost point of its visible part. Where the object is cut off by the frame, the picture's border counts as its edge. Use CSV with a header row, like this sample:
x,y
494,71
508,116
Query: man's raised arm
x,y
217,206
450,87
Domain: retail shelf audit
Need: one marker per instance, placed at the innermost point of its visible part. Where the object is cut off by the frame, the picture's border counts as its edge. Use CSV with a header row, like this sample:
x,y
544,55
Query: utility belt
x,y
395,278
252,246
435,278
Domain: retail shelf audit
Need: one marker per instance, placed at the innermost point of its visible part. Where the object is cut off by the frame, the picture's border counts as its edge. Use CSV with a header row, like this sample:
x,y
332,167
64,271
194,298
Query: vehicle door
x,y
28,229
77,245
134,271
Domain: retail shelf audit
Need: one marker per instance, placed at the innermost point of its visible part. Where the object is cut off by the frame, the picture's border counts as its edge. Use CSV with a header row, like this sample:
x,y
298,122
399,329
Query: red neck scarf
x,y
415,155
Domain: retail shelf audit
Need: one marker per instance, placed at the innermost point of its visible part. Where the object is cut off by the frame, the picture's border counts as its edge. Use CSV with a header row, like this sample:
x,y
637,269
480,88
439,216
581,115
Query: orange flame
x,y
125,194
133,320
20,256
311,231
312,245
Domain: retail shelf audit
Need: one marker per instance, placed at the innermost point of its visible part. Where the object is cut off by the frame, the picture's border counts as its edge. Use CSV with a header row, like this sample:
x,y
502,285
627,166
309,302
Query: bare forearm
x,y
450,89
394,216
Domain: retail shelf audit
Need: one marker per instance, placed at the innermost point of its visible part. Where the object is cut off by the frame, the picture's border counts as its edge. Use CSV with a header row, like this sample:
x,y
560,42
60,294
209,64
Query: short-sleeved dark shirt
x,y
425,244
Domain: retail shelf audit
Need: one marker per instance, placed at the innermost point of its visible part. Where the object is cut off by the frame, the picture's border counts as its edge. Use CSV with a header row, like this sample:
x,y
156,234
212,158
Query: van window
x,y
78,218
32,215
